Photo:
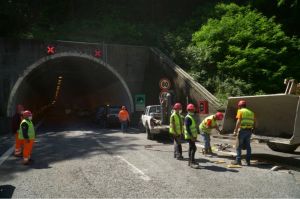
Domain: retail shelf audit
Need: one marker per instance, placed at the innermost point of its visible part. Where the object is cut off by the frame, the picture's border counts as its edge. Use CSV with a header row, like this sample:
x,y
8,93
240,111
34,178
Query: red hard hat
x,y
190,107
219,115
27,114
177,106
242,103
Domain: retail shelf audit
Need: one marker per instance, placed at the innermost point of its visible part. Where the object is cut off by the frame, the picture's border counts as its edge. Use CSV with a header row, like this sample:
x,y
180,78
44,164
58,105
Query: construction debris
x,y
276,168
234,166
223,147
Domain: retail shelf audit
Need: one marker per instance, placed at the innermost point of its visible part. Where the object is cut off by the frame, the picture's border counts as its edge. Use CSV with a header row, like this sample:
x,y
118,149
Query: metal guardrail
x,y
184,75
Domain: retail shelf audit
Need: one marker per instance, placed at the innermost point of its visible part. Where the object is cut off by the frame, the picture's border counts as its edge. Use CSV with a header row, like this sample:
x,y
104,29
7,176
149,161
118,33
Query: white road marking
x,y
133,168
11,149
7,154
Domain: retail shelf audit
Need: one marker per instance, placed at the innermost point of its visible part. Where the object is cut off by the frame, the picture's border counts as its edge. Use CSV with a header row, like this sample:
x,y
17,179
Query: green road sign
x,y
140,102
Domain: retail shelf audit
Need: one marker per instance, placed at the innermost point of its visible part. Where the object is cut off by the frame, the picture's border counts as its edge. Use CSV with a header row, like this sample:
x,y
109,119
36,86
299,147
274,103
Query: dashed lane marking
x,y
133,168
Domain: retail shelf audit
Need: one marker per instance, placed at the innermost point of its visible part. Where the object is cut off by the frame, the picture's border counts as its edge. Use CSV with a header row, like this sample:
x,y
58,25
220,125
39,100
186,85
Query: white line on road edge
x,y
134,169
11,149
7,154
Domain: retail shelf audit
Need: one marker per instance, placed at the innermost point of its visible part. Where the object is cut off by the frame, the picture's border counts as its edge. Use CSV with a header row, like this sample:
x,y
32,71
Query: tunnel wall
x,y
275,114
140,67
17,55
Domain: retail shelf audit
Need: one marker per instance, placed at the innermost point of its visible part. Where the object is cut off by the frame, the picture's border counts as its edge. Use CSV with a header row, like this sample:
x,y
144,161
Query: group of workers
x,y
188,127
23,128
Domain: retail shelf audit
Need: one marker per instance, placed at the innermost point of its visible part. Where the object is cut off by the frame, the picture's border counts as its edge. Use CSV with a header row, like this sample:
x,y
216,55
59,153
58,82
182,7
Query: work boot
x,y
209,151
194,165
235,162
25,162
180,157
248,162
18,155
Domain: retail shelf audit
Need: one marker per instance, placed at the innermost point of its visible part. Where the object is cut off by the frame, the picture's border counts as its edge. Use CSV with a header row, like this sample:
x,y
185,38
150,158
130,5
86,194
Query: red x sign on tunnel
x,y
98,53
50,50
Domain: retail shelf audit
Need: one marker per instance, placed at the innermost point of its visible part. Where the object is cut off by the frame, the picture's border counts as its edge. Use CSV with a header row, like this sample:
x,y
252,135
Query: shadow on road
x,y
6,191
219,169
73,141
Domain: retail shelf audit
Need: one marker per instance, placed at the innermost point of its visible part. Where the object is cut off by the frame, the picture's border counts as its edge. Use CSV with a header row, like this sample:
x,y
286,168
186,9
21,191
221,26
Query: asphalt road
x,y
90,162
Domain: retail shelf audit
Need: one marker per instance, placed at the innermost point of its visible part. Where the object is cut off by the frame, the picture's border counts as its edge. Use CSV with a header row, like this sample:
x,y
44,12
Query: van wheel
x,y
150,136
285,148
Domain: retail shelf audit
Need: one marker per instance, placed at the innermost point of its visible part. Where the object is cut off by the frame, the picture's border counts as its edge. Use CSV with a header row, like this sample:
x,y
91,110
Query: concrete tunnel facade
x,y
86,83
28,75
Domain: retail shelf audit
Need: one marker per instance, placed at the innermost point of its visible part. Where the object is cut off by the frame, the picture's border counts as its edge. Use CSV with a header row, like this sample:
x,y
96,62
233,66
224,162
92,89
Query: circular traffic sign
x,y
164,84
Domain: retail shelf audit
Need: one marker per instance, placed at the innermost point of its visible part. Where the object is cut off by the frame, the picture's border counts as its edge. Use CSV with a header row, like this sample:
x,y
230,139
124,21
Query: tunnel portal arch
x,y
41,62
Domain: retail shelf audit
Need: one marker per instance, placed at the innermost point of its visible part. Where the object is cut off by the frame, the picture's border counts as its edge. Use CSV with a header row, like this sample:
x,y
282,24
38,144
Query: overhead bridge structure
x,y
83,76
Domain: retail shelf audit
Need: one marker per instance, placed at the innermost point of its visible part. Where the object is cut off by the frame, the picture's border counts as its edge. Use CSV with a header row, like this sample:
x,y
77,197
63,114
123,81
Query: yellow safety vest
x,y
204,128
247,118
192,127
178,124
31,131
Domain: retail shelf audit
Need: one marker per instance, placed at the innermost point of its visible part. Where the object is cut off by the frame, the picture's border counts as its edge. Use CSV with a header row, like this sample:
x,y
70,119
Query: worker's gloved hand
x,y
234,133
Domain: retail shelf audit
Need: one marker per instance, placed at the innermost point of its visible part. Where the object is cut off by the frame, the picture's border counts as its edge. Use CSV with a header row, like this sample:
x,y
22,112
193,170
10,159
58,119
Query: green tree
x,y
245,48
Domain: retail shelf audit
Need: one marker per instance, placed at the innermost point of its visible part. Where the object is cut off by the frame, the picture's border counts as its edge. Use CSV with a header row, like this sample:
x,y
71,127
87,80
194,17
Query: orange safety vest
x,y
123,115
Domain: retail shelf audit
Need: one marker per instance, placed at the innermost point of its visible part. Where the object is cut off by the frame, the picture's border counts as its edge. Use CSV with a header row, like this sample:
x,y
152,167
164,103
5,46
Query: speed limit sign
x,y
164,84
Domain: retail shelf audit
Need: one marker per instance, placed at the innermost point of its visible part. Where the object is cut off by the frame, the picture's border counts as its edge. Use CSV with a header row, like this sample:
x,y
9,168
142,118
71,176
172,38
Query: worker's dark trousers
x,y
244,139
192,150
177,147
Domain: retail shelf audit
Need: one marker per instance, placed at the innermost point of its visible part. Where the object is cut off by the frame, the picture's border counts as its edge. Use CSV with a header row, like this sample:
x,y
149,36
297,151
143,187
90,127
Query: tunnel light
x,y
60,77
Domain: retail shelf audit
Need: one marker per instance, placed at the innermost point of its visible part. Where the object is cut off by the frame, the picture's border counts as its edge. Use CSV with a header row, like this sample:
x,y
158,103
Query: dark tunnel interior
x,y
70,88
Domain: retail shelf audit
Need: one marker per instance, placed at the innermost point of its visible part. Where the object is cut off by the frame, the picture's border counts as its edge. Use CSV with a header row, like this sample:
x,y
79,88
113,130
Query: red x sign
x,y
98,53
50,50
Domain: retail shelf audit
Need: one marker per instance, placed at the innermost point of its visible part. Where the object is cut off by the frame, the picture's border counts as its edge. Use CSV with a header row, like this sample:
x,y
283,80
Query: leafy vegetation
x,y
242,52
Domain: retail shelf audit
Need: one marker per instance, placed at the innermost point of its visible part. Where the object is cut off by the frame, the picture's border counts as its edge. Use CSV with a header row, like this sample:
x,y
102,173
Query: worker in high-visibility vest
x,y
190,134
176,130
27,134
243,130
15,125
124,118
205,128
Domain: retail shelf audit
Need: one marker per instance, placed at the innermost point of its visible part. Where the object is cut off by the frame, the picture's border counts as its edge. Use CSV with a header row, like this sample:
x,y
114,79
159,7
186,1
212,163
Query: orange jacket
x,y
123,115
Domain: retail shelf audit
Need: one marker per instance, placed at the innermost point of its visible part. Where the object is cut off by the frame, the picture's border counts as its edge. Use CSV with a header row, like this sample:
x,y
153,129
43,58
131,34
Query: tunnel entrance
x,y
69,84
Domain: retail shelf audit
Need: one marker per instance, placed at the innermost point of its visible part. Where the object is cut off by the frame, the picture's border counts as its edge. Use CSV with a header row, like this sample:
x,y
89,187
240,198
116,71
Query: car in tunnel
x,y
107,116
113,116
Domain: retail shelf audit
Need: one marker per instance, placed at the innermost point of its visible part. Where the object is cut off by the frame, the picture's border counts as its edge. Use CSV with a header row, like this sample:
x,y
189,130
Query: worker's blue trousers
x,y
244,140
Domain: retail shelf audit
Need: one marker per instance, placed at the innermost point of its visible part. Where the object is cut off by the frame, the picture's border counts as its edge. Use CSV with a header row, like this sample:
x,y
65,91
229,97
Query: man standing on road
x,y
124,118
190,134
205,128
16,121
27,134
176,130
244,127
